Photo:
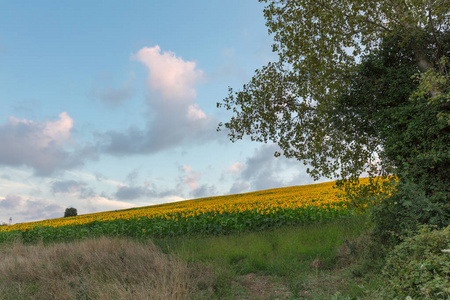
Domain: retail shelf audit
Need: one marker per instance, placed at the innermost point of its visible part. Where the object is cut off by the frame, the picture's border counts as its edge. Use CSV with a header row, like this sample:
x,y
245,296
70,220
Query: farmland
x,y
215,215
209,248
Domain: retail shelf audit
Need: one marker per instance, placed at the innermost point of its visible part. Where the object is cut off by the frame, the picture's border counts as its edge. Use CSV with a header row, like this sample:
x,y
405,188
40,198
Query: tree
x,y
360,86
384,103
320,44
70,212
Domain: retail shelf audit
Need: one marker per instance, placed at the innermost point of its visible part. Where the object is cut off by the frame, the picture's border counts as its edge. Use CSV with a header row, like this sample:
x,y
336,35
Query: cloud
x,y
132,176
261,168
132,192
42,146
37,145
205,190
188,186
68,186
10,202
112,96
28,106
174,117
72,187
170,75
23,209
41,209
100,203
263,171
191,178
236,167
239,187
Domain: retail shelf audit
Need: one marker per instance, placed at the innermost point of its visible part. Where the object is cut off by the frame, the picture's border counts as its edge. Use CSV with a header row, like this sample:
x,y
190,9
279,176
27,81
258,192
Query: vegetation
x,y
382,109
101,268
359,87
362,87
216,215
70,212
316,249
320,45
310,261
414,140
418,268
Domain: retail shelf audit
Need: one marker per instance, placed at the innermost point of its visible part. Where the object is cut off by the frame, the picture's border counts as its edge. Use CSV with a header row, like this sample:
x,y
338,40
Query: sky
x,y
109,105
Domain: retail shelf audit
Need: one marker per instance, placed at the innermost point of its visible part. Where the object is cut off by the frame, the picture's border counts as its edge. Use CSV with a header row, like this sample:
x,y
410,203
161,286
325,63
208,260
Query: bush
x,y
70,212
418,268
401,214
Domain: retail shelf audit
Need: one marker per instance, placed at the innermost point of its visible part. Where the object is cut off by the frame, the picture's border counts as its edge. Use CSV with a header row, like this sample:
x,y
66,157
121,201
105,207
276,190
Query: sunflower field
x,y
214,215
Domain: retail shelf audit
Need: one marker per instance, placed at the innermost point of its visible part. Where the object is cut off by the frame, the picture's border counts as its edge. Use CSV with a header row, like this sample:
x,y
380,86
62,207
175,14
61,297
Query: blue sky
x,y
112,104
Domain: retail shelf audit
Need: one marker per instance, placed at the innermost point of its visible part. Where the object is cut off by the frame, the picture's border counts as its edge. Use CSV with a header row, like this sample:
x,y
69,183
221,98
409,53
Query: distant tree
x,y
70,212
3,224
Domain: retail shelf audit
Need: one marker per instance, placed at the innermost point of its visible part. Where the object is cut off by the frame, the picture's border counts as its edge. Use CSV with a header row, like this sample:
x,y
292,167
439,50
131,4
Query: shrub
x,y
418,268
70,212
401,214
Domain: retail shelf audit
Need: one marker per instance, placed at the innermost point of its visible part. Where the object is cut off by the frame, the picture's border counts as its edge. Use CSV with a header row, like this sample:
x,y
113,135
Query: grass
x,y
291,243
103,268
310,261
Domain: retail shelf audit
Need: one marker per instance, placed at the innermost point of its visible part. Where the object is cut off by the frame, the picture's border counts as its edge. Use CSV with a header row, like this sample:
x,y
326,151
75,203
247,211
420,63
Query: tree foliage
x,y
70,212
321,44
360,87
387,106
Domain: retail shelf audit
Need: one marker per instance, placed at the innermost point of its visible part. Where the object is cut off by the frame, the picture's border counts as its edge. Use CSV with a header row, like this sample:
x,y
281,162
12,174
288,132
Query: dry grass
x,y
101,268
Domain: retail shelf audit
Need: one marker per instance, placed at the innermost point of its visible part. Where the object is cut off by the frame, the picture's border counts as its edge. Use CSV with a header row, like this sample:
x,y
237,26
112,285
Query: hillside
x,y
285,243
222,214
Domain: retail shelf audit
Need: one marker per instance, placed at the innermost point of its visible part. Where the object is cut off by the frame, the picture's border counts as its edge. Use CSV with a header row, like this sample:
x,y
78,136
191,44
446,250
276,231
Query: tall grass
x,y
103,268
290,262
310,261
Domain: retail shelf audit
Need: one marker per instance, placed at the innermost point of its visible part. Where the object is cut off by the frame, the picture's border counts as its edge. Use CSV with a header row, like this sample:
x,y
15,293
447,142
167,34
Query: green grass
x,y
283,255
275,263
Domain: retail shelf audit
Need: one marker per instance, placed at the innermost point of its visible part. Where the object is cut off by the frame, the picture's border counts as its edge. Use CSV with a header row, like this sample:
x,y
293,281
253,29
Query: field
x,y
310,261
285,243
216,215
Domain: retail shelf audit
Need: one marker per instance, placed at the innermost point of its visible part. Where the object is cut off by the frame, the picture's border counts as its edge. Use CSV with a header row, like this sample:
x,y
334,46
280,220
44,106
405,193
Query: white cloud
x,y
171,198
58,131
170,75
42,135
174,116
102,203
40,145
195,113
